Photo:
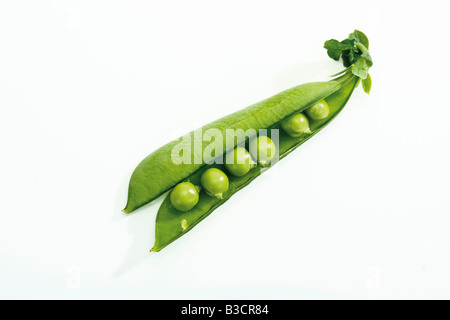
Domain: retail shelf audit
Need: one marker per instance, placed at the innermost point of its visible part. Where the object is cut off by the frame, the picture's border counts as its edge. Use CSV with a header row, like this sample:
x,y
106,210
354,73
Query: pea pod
x,y
157,173
170,224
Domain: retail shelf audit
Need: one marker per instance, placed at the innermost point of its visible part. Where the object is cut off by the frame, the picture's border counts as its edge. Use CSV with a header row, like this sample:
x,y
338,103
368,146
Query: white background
x,y
89,88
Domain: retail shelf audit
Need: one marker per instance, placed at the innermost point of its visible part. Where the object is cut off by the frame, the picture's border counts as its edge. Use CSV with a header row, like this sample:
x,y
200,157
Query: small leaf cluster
x,y
355,55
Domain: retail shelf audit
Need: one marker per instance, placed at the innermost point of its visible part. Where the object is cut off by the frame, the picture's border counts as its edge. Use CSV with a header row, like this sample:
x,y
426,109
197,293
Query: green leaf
x,y
335,48
368,59
362,66
346,60
349,42
360,37
367,84
350,56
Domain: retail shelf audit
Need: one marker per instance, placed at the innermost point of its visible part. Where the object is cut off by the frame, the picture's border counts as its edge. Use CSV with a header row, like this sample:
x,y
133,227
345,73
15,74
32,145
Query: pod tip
x,y
127,210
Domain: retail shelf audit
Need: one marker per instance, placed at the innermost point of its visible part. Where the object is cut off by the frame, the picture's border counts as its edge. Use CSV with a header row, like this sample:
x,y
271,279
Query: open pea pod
x,y
172,224
158,173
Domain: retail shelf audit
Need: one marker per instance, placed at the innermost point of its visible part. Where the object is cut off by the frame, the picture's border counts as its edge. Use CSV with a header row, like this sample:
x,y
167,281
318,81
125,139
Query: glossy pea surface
x,y
263,149
215,182
239,162
296,126
319,111
184,196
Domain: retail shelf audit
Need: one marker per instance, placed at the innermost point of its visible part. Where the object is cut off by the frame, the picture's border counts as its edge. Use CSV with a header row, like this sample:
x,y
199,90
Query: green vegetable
x,y
296,126
263,150
158,173
367,84
239,162
170,225
318,111
184,196
215,182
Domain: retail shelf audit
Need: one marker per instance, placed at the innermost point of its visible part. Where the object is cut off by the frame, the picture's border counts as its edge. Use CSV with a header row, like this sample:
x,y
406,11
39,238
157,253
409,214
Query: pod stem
x,y
354,52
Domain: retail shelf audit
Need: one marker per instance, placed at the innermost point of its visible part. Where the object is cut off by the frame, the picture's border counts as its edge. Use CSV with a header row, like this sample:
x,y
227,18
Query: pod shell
x,y
157,173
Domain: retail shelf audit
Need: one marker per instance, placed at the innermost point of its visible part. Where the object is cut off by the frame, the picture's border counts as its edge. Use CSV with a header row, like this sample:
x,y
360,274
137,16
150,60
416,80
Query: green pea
x,y
263,149
184,196
319,111
239,162
296,126
215,182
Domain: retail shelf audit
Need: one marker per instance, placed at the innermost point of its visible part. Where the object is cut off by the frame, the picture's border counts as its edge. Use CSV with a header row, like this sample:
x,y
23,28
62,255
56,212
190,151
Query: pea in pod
x,y
158,173
170,224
